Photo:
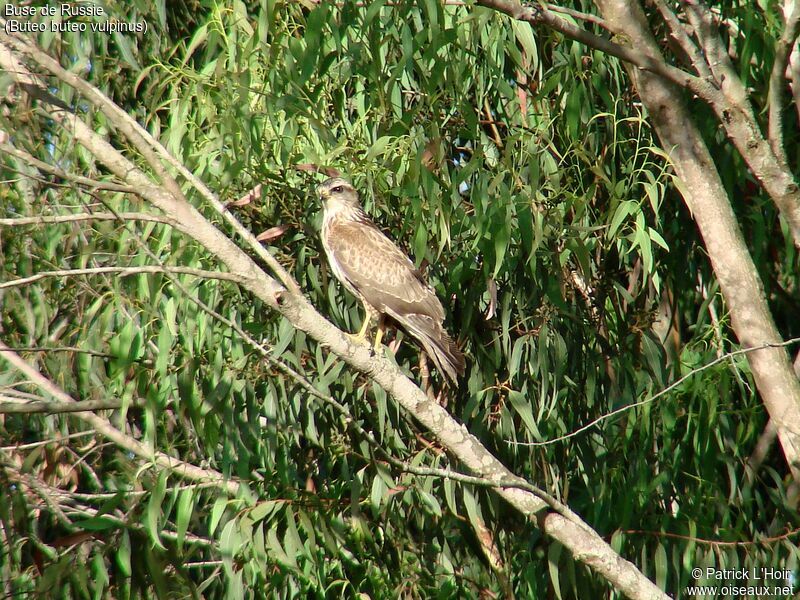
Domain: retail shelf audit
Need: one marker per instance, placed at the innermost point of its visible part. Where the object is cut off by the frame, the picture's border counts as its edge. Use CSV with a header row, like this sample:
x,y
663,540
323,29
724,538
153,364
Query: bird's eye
x,y
337,189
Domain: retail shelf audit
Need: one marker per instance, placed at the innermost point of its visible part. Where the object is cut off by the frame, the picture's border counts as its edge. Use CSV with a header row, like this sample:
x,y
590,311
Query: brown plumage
x,y
377,272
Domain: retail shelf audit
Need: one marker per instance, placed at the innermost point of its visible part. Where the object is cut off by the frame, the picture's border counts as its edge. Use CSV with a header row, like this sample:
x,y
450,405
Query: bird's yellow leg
x,y
361,336
379,335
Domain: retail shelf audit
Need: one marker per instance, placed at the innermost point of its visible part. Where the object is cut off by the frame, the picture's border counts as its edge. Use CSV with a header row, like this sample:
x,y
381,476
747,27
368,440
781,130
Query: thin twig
x,y
59,440
656,396
44,219
761,542
122,272
11,406
43,166
576,14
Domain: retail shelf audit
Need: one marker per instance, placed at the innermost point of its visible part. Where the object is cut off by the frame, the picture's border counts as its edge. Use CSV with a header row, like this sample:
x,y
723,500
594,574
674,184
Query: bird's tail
x,y
444,352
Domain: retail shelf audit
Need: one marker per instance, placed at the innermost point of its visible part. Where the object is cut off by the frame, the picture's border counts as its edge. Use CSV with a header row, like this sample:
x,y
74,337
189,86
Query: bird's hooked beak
x,y
322,192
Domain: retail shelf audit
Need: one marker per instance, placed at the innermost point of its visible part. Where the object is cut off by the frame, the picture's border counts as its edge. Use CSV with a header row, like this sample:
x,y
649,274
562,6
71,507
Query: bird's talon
x,y
356,338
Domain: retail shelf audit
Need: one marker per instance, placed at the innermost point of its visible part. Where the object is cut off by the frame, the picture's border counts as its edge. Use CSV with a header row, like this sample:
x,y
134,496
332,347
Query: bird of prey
x,y
382,277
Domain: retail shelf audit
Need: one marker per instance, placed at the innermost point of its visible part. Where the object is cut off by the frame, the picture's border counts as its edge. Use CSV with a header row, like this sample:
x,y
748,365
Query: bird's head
x,y
338,195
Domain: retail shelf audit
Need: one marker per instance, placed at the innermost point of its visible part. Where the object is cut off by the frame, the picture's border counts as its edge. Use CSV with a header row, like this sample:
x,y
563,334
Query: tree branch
x,y
736,114
684,42
64,439
777,78
104,428
10,405
122,272
43,166
99,216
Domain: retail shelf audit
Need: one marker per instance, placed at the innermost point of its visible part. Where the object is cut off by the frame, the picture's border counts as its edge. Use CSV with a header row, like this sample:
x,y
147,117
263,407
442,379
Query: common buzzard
x,y
382,277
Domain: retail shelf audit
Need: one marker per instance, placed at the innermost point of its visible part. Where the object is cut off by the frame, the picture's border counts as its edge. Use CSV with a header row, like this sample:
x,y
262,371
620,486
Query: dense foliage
x,y
518,168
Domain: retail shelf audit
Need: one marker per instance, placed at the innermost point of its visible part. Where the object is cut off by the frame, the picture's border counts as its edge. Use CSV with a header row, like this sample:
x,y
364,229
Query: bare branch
x,y
63,439
43,166
765,157
705,27
777,78
10,405
705,23
682,39
766,541
122,272
104,216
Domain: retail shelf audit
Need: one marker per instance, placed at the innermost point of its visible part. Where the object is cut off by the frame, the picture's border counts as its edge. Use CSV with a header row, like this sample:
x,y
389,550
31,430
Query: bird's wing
x,y
381,273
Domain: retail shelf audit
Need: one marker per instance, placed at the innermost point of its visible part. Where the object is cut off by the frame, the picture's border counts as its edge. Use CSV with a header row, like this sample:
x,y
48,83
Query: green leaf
x,y
624,209
220,504
263,510
378,492
153,513
522,407
553,555
97,524
101,578
186,503
378,148
661,565
274,545
123,554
